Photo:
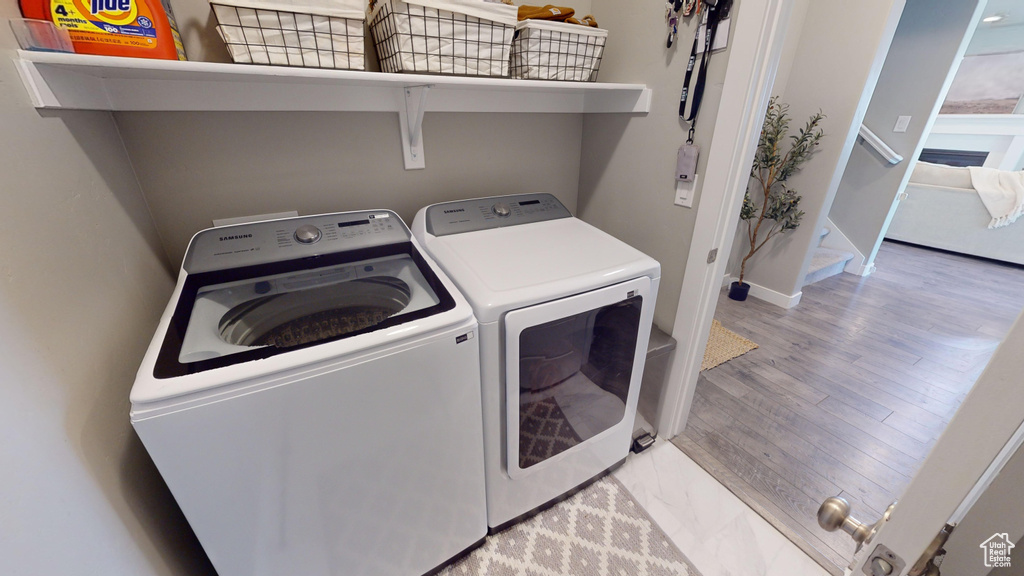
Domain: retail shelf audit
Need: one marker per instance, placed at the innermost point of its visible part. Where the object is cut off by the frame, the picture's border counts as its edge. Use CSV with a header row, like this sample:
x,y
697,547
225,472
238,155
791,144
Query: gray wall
x,y
194,167
82,284
923,52
627,182
833,69
791,43
1000,509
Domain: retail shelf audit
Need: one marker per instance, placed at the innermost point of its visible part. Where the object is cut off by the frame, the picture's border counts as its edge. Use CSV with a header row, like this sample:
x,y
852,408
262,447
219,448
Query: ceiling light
x,y
993,18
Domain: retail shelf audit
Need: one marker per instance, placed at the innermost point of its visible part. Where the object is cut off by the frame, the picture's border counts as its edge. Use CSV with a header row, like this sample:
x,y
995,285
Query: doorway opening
x,y
848,390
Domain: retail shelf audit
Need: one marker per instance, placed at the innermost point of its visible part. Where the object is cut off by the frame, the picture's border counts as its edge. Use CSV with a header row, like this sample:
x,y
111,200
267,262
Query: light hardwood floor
x,y
848,390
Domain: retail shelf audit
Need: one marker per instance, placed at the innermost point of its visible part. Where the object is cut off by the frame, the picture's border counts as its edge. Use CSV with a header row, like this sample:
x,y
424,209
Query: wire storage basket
x,y
262,35
422,36
544,50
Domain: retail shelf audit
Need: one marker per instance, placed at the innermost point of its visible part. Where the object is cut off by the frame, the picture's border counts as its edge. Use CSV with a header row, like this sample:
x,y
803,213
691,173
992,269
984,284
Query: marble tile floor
x,y
721,535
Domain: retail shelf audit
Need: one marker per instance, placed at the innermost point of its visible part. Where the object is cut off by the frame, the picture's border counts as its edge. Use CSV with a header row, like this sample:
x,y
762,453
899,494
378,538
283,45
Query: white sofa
x,y
942,210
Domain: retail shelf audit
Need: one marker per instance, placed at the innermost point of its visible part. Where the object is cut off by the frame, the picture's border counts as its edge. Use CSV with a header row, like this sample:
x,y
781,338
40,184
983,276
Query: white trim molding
x,y
777,298
771,296
992,124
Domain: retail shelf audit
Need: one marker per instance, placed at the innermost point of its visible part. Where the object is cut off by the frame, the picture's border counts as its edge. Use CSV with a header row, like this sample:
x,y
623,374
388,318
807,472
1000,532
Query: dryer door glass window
x,y
574,378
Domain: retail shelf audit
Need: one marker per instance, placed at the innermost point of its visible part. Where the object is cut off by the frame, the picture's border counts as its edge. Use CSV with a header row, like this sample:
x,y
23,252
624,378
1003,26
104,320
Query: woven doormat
x,y
601,531
724,345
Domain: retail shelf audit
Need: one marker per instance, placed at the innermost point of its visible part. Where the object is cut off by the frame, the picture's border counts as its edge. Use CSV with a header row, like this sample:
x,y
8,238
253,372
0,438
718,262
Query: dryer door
x,y
572,371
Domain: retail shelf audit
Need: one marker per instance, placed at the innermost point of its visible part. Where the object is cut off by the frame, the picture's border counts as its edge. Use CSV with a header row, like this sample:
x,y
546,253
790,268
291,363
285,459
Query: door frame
x,y
761,27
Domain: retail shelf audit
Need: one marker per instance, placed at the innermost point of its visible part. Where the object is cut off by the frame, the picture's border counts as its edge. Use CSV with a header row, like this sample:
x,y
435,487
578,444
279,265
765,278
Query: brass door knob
x,y
834,514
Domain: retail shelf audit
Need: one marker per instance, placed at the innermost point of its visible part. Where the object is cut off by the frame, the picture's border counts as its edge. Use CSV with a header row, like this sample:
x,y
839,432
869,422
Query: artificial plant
x,y
777,206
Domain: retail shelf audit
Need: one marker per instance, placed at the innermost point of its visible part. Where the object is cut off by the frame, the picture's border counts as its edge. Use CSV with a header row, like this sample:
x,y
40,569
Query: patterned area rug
x,y
724,345
544,431
600,531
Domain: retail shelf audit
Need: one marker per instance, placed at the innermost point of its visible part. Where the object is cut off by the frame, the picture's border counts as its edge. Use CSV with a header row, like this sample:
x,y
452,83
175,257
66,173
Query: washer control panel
x,y
291,238
486,213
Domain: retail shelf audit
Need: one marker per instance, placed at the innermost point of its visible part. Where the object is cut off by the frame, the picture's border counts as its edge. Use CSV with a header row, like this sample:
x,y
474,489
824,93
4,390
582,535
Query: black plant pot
x,y
738,291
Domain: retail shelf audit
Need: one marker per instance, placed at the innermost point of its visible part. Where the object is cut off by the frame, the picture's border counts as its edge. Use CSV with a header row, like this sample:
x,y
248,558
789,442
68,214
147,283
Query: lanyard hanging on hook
x,y
715,14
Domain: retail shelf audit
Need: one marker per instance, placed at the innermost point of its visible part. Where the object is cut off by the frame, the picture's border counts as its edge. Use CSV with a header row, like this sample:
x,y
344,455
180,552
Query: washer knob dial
x,y
307,234
501,209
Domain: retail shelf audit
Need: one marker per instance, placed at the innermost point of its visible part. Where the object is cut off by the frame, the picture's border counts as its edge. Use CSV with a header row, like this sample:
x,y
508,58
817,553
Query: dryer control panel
x,y
292,238
497,212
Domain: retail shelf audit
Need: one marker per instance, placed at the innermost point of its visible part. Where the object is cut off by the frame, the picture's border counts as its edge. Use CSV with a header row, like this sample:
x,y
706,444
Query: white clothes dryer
x,y
312,399
565,313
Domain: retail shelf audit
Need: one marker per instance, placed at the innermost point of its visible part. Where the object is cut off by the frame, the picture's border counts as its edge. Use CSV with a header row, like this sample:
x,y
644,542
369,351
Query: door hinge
x,y
928,563
883,562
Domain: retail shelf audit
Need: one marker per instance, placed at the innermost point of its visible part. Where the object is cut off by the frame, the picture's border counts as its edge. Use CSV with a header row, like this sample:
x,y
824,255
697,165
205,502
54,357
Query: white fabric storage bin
x,y
458,37
309,33
544,50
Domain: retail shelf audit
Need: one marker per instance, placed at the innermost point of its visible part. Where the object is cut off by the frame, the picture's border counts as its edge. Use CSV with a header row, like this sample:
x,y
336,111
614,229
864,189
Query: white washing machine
x,y
565,313
312,399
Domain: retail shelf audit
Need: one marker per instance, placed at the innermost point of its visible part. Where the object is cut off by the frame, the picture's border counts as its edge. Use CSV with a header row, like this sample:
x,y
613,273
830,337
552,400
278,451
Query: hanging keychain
x,y
672,9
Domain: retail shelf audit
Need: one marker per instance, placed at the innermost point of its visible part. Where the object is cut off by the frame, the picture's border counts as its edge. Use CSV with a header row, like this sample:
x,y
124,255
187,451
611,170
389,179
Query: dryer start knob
x,y
501,209
307,234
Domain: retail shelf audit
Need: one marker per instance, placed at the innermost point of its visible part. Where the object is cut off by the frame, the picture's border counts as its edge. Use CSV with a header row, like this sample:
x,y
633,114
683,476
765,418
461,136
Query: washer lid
x,y
244,314
506,268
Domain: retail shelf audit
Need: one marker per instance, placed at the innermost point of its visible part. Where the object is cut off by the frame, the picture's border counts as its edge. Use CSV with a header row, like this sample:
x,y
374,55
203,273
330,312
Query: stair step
x,y
825,263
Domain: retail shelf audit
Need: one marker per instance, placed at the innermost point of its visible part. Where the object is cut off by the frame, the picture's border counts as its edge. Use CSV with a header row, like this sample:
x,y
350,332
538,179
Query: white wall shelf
x,y
84,82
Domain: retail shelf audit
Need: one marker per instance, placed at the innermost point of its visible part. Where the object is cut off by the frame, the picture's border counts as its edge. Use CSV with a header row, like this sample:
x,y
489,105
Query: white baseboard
x,y
768,295
861,270
836,240
727,279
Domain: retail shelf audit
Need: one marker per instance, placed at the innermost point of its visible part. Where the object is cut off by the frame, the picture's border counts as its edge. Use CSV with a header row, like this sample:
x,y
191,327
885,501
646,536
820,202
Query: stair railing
x,y
883,149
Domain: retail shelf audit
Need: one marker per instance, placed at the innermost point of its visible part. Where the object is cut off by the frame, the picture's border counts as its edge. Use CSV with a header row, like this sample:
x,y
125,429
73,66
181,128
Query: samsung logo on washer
x,y
235,237
453,211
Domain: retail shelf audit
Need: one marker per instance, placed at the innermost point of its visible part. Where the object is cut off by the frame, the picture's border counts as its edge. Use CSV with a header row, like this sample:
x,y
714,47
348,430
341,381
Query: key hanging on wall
x,y
674,9
672,18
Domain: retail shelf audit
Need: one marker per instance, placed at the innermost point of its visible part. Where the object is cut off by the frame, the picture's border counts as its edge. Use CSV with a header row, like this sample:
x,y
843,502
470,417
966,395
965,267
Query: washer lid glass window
x,y
231,320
